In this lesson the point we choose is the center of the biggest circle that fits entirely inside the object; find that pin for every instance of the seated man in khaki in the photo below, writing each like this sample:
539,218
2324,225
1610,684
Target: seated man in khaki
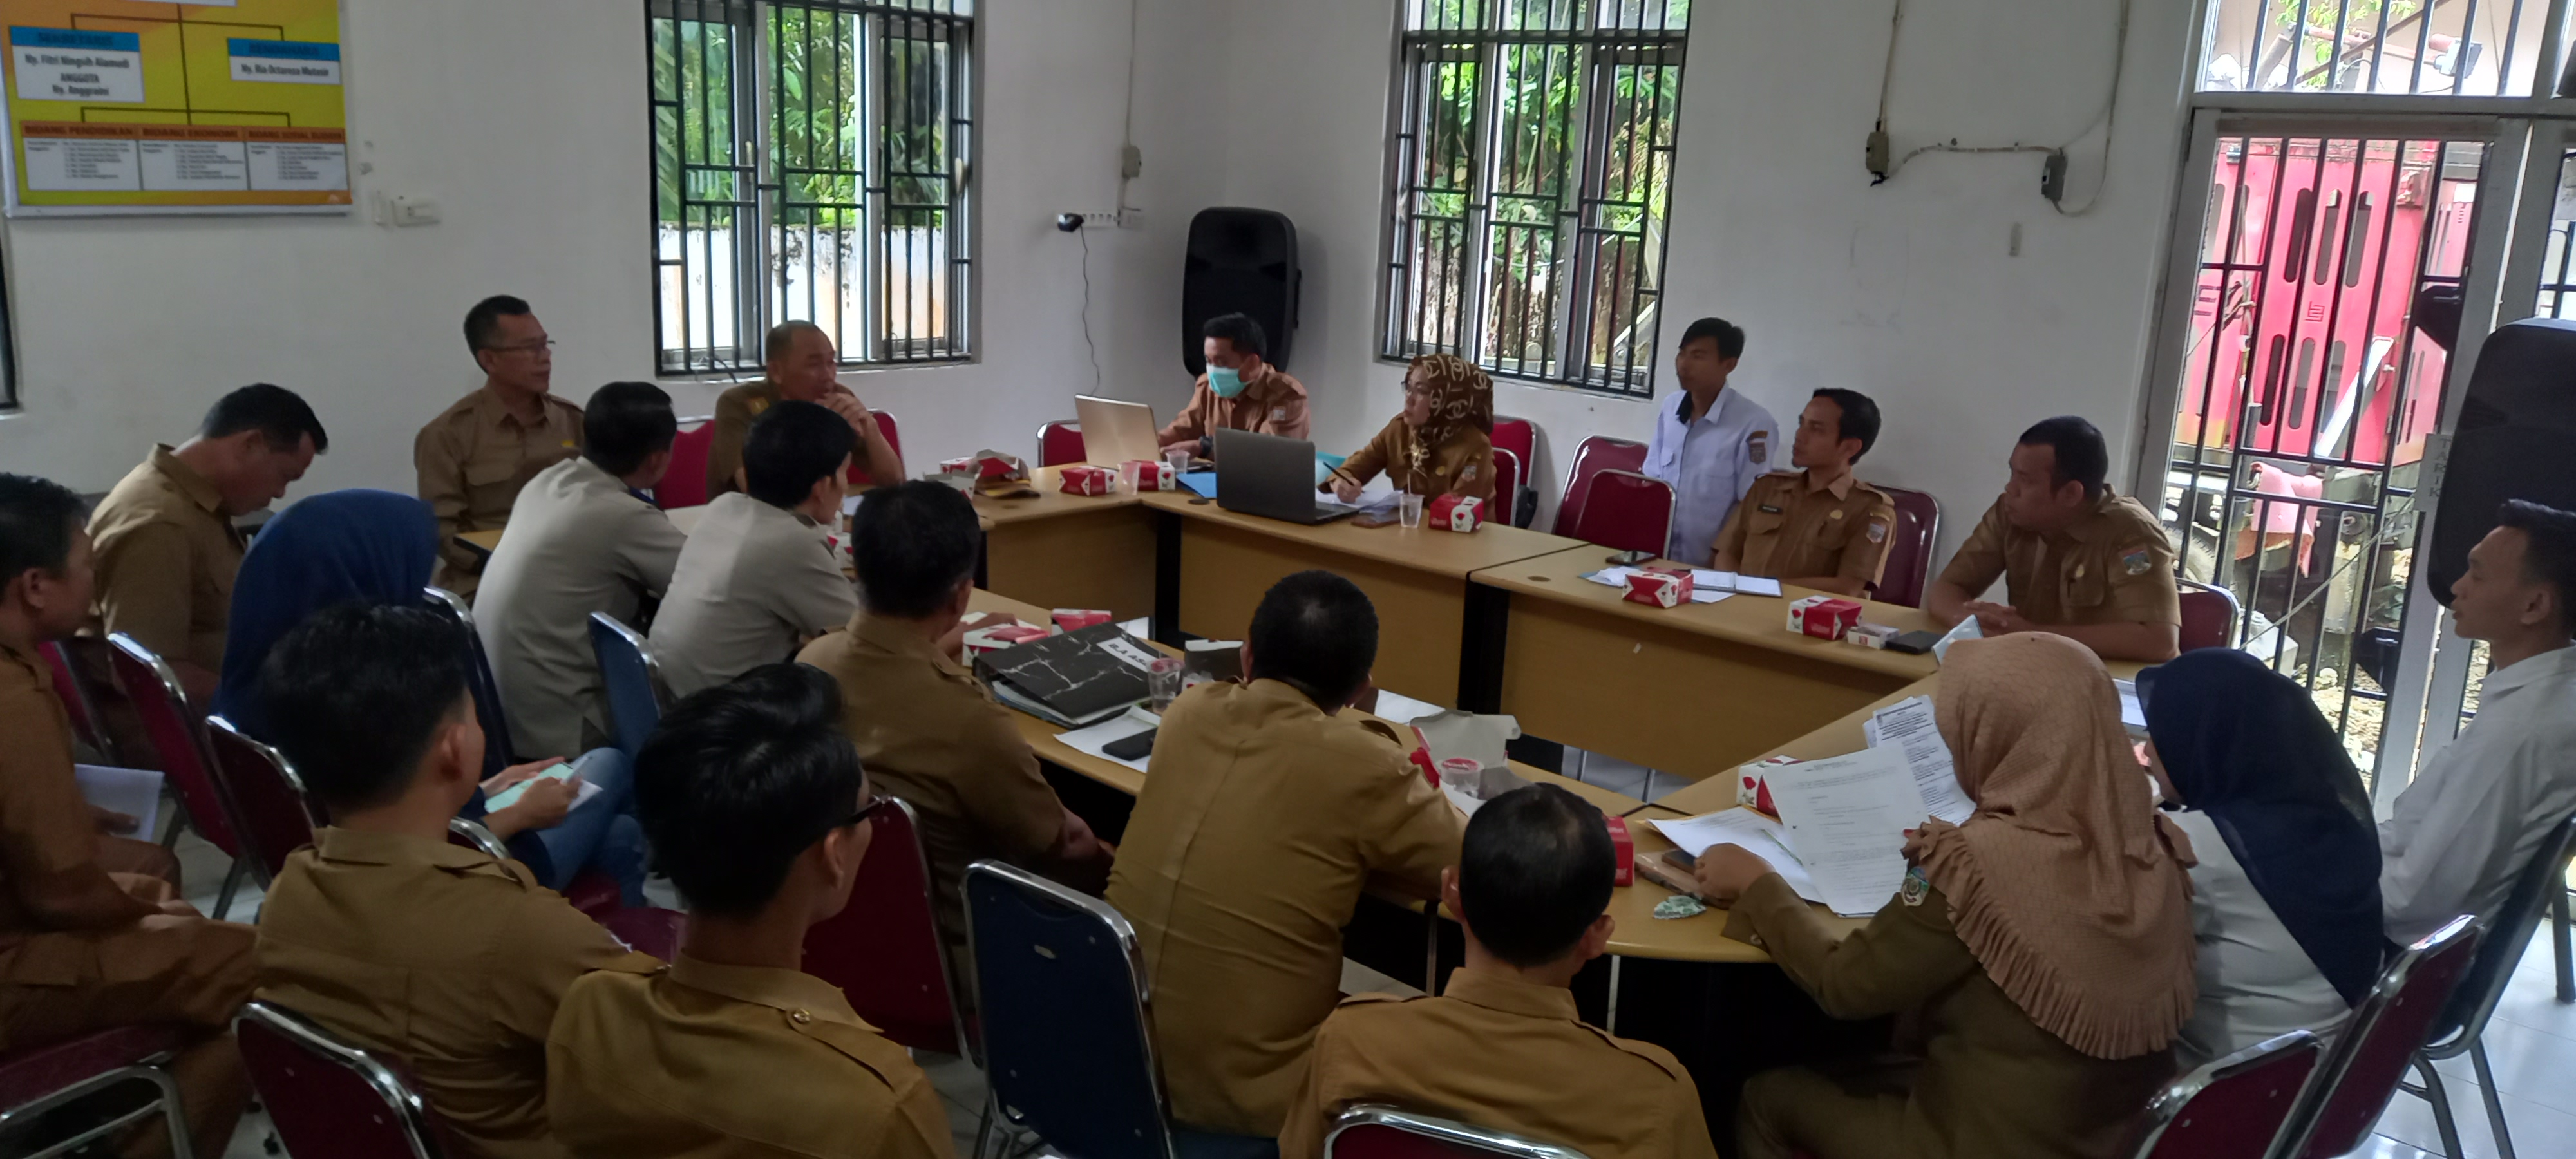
928,731
1265,813
1502,1047
476,455
1819,527
2077,559
383,933
1241,391
758,808
802,366
92,932
167,551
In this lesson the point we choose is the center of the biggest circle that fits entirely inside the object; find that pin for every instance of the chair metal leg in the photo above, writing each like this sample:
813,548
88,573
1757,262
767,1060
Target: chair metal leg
1582,757
2559,944
178,824
2494,1101
2441,1100
232,884
984,1127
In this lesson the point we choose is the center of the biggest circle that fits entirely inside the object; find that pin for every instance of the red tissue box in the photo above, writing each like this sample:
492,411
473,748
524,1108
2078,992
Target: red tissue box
1072,618
1626,848
986,466
1089,480
1823,617
1153,475
1457,513
1660,586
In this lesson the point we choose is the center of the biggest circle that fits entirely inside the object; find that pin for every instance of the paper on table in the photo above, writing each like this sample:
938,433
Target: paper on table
1847,818
1909,725
133,792
1743,585
1617,577
1967,629
1098,737
2133,715
1760,835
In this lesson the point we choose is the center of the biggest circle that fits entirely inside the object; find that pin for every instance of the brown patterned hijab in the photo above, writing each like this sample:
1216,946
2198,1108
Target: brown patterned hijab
1462,396
2066,884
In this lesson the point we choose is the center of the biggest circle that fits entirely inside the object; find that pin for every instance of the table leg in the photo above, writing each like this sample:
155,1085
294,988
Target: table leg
1167,579
1480,655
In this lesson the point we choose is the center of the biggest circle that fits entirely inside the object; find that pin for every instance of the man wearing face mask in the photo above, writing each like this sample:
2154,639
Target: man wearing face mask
1241,391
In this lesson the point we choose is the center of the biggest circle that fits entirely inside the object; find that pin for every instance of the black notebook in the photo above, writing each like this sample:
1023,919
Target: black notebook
1075,676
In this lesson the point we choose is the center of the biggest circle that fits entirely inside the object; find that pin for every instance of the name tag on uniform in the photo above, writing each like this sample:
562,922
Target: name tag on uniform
1279,414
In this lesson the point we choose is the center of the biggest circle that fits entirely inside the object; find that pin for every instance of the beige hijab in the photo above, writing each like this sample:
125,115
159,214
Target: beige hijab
2065,883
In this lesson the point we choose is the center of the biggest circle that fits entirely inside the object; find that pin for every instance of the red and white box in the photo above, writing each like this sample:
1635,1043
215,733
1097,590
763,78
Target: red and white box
983,640
1663,587
1823,617
1069,619
1152,475
1456,513
986,466
1089,480
1869,635
1753,787
1626,849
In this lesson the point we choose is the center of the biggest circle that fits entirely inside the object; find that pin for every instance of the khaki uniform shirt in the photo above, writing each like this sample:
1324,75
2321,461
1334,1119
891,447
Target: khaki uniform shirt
929,733
1271,404
1261,821
1463,465
1506,1055
473,459
1785,527
2115,565
167,554
1991,1081
735,409
439,955
752,582
702,1061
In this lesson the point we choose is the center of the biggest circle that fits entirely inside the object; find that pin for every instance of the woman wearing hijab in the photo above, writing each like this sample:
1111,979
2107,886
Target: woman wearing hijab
1442,444
2285,900
379,547
2043,948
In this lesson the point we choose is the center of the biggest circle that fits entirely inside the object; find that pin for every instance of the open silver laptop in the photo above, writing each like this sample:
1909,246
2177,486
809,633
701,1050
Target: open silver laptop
1272,477
1115,432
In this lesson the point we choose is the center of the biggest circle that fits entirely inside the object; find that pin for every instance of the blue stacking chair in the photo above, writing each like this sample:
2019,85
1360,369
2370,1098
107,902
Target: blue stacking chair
497,754
636,692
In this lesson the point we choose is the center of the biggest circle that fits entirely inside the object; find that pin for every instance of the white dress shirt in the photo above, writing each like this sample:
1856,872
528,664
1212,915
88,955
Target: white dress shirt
1711,461
2477,812
753,582
2255,979
577,542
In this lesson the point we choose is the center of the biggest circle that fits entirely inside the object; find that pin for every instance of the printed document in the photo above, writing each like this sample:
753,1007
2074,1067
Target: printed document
1847,818
1909,725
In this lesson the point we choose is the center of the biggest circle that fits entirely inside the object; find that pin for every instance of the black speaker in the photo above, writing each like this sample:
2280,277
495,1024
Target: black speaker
2516,428
1241,261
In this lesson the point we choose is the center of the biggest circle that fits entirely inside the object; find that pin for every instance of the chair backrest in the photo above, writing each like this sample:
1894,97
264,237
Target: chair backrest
75,697
1059,443
2353,1083
277,815
1060,988
2508,933
1909,547
2234,1107
858,464
1518,436
685,484
2208,615
1507,488
1379,1131
636,692
1591,457
472,835
884,950
497,754
329,1098
177,733
1627,511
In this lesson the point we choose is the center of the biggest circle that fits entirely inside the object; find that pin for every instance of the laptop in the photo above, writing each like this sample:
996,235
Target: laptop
1272,477
1115,432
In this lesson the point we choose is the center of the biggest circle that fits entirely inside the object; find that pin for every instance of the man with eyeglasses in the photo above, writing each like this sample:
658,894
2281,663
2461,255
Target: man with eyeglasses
476,455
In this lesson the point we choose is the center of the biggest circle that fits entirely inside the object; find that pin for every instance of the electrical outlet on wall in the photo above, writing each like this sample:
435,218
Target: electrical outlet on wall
1108,218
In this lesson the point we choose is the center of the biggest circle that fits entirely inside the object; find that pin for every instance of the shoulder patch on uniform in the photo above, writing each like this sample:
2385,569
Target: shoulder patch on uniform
2137,562
1877,531
1757,446
1279,414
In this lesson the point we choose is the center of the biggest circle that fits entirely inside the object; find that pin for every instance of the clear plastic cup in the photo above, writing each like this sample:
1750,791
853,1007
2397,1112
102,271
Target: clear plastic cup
1464,775
1163,682
1179,458
1409,510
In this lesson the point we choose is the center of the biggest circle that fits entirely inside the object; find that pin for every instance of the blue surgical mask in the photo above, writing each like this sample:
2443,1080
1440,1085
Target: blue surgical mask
1224,382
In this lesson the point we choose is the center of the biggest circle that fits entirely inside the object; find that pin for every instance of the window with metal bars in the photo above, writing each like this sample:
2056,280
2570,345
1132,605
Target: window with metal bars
1533,177
2478,48
810,163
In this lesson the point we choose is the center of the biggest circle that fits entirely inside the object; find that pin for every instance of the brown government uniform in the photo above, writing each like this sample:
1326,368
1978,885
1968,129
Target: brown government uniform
2114,565
1786,527
442,956
1261,821
1507,1055
1271,403
474,458
92,934
1463,464
931,734
707,1061
735,409
1988,1080
167,554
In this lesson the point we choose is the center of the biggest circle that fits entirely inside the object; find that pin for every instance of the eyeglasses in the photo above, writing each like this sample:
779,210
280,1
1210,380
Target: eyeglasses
865,811
540,346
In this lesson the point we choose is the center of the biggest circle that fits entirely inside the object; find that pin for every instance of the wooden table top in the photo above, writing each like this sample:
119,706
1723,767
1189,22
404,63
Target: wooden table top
1049,502
1442,552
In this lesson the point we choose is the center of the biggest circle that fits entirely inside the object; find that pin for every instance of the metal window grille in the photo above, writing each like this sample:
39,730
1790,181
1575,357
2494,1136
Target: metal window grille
810,163
2470,48
1533,175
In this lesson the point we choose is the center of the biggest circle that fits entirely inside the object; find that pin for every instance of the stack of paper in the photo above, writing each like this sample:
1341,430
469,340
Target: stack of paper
2133,715
1909,727
133,792
1847,818
1760,835
1707,587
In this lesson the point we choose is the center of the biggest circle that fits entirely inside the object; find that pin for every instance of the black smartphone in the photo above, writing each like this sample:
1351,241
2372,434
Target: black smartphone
1684,860
1132,748
1915,643
1630,558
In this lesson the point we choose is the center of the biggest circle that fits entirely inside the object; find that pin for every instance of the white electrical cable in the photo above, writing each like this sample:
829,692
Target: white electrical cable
2109,117
1085,235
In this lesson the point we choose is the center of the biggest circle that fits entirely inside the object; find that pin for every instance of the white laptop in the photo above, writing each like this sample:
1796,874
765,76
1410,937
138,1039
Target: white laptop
1115,432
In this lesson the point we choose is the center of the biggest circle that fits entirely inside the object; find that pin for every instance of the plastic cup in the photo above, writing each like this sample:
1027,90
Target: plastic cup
1464,775
1179,458
1127,476
1409,509
1163,682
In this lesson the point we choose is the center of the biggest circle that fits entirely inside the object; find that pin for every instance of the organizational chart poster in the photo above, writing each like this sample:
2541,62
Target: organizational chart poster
134,106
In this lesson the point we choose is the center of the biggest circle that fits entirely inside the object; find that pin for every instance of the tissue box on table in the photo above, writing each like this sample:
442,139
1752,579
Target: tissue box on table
1069,619
1088,480
1626,849
1457,513
988,466
1823,617
1152,475
1661,587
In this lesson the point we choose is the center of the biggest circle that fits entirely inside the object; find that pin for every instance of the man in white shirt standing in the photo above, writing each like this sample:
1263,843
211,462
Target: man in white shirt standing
1711,443
757,579
2472,819
582,538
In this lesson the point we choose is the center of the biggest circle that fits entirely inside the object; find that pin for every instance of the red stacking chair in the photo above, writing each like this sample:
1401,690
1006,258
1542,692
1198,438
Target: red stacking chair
1378,1131
276,814
2208,615
2232,1108
594,893
1519,437
2354,1082
178,737
1627,511
647,929
685,484
1507,487
37,1080
1059,443
1591,457
859,466
884,950
1909,548
76,699
329,1098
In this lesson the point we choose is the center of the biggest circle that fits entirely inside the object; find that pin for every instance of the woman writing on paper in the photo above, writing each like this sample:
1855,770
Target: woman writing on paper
1442,444
2285,900
2043,948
